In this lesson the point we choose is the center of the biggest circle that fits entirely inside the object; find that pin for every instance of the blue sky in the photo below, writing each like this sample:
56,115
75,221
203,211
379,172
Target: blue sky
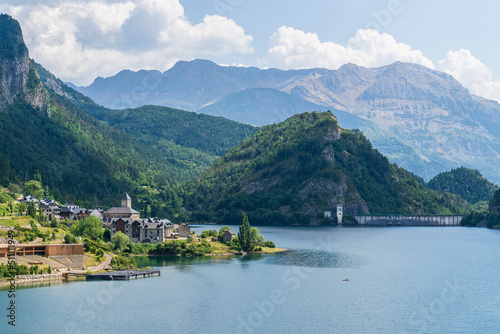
79,40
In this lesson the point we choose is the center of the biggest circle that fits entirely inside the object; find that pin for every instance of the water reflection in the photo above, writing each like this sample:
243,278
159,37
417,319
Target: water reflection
179,261
298,257
314,259
34,284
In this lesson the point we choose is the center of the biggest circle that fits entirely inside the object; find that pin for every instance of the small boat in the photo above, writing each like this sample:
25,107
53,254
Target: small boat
346,280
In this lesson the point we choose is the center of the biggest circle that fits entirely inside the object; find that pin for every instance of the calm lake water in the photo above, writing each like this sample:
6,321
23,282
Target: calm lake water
401,280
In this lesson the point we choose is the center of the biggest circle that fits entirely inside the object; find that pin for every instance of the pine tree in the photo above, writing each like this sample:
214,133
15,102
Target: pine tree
32,209
244,233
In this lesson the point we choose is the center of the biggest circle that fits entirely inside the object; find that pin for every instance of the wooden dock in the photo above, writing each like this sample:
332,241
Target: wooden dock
118,275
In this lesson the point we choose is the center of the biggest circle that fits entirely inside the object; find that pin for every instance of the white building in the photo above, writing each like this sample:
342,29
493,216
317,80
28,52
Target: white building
340,213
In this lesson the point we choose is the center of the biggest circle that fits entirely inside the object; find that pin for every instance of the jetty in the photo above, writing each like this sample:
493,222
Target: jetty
117,275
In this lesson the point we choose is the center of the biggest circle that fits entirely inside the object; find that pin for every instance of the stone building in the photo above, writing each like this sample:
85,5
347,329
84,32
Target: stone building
73,213
151,230
123,211
228,235
184,230
52,212
96,212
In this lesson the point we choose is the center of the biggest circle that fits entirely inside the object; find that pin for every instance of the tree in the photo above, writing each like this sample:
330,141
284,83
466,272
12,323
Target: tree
222,229
106,236
255,238
121,241
32,209
99,254
89,227
244,233
21,207
33,188
69,239
38,177
121,262
14,188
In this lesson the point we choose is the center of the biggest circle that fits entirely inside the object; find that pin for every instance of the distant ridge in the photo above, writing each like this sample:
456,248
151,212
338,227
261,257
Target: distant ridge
422,119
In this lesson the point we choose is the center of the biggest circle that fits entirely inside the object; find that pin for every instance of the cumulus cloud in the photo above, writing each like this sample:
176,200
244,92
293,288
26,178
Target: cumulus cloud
471,73
292,48
79,40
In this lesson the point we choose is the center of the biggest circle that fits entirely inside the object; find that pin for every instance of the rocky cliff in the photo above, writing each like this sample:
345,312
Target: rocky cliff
19,79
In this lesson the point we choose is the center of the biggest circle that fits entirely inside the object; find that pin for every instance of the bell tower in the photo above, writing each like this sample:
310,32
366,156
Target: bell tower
126,201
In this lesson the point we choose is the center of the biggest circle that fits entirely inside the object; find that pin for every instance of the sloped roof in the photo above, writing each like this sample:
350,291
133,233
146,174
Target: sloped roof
74,209
126,196
120,210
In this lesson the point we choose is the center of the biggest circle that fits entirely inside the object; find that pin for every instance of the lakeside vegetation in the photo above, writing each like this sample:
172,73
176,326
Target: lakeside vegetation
15,269
489,219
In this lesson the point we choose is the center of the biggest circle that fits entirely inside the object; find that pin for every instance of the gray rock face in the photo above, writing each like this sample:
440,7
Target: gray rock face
423,120
19,78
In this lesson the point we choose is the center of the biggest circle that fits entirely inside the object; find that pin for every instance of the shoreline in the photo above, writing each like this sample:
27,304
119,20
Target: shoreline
278,250
25,280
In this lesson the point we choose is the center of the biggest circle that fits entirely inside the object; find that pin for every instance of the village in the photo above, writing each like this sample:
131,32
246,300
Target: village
55,258
122,218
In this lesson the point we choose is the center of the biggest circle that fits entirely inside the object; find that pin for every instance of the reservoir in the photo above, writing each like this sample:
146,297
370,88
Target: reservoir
400,280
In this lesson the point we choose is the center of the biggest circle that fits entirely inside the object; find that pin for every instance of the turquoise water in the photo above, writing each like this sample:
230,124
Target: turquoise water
401,280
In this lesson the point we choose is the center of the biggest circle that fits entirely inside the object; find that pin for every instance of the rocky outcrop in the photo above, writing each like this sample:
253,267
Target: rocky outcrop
19,79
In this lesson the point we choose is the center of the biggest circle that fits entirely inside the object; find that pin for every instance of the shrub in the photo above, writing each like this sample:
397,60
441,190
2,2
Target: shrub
268,244
69,238
122,262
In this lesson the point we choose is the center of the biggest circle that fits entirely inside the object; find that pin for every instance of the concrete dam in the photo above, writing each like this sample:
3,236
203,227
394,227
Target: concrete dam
408,220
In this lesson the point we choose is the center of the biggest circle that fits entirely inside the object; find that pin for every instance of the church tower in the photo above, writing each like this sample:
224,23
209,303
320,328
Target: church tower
126,201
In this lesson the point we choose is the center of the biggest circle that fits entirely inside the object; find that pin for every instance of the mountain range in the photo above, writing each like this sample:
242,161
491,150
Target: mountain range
422,119
171,160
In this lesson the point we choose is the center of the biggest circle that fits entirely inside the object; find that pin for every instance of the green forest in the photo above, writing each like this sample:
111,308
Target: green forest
162,127
287,173
470,184
490,219
148,152
11,44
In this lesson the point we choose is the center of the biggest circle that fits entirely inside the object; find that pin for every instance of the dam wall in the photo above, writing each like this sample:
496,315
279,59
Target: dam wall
408,220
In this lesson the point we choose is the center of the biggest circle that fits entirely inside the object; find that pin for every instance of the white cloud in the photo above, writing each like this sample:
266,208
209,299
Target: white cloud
292,48
471,73
79,40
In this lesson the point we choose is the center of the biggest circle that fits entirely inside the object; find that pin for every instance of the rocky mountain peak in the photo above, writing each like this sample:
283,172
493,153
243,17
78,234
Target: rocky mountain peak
19,79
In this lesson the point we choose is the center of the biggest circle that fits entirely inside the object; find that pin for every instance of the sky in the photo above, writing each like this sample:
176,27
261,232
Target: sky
79,40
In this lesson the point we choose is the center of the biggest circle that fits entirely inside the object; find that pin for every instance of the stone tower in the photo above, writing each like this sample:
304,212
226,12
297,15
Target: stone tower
126,201
340,213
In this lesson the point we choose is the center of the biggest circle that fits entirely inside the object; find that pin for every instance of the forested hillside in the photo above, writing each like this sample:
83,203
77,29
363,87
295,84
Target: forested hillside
470,184
185,138
77,156
293,171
